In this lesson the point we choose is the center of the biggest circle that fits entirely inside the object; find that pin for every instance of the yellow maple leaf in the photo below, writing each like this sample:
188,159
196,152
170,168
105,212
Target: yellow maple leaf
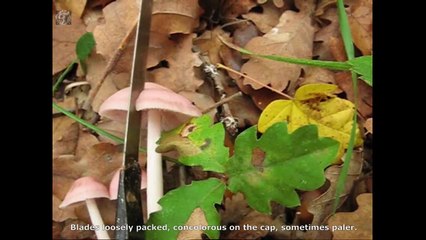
314,104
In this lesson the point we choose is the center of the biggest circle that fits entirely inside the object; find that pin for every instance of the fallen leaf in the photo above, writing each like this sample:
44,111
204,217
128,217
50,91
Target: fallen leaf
68,104
365,93
244,110
234,8
75,6
56,230
235,208
323,6
361,21
60,215
69,233
328,44
317,75
254,219
101,161
291,37
64,39
209,43
92,18
202,101
98,3
179,75
266,20
85,141
361,220
244,33
60,185
277,175
197,218
175,16
322,206
65,136
314,104
369,125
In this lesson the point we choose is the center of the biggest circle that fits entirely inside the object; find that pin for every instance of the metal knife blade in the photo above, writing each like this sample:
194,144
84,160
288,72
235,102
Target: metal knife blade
129,203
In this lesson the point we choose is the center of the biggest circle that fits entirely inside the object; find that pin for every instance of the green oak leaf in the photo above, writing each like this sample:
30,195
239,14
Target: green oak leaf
178,205
272,167
199,143
363,66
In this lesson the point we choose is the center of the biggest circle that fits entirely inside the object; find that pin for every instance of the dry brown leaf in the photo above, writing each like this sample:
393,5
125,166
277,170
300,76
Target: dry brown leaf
92,18
112,127
179,76
361,22
323,6
65,136
369,125
175,16
63,43
365,93
236,208
209,43
75,6
101,161
322,206
56,230
197,218
328,43
244,110
68,104
361,220
244,33
68,233
60,215
85,141
266,20
253,219
292,37
98,3
60,185
317,75
202,101
235,8
120,17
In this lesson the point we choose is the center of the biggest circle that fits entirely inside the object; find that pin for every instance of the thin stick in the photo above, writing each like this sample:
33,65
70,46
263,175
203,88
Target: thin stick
111,64
222,101
254,80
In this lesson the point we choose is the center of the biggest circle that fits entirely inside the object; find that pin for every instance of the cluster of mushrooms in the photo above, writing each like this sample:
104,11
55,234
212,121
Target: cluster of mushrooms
162,109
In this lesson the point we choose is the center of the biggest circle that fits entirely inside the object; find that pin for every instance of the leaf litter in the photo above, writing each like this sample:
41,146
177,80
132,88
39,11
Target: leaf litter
181,35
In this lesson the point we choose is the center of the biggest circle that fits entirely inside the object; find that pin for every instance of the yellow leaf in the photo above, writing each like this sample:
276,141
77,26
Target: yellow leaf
314,104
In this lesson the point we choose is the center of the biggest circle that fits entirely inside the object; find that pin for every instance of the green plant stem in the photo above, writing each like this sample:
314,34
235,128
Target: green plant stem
350,52
62,77
91,126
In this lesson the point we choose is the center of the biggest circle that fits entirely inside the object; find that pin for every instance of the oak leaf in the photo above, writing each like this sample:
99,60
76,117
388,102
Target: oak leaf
291,37
361,220
267,19
361,22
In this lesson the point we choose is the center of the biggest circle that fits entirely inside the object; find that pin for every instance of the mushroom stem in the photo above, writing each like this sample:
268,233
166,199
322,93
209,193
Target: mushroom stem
95,217
154,168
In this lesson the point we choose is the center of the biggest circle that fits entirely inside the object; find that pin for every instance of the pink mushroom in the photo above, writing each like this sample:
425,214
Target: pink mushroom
164,110
113,186
87,189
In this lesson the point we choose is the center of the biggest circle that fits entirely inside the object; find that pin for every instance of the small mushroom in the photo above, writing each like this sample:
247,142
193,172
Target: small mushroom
113,186
164,110
87,189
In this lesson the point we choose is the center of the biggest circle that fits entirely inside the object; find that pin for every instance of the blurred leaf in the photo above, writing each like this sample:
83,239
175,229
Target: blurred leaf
364,67
272,167
179,204
84,46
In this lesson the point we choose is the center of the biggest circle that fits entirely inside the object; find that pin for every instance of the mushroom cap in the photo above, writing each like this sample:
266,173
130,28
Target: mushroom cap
175,108
84,188
113,186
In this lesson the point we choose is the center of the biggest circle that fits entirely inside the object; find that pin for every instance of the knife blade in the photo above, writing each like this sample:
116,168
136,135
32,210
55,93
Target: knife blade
129,203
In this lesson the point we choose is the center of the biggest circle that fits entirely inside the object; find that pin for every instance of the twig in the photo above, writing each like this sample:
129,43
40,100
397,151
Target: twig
222,101
254,80
111,64
225,115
